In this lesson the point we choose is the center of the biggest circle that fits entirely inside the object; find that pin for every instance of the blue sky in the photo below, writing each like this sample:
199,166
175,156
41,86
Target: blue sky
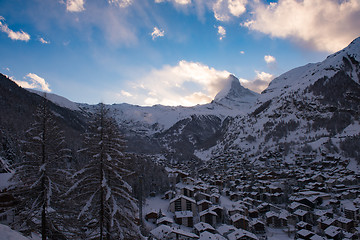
170,52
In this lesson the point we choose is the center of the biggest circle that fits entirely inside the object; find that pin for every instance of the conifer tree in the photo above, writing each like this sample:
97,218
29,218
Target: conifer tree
107,208
39,177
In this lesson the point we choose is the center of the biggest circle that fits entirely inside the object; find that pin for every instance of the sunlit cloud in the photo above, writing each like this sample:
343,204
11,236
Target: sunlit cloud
242,52
221,32
319,24
260,83
157,33
33,81
19,35
269,59
186,84
42,40
75,5
225,9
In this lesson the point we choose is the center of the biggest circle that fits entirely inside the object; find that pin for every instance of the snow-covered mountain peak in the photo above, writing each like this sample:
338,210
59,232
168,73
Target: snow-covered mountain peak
234,92
298,79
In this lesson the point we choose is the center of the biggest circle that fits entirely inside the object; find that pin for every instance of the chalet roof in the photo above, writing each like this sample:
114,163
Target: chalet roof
201,226
305,233
184,214
203,201
300,212
164,219
240,234
210,236
182,196
207,211
332,231
236,217
344,220
223,229
317,237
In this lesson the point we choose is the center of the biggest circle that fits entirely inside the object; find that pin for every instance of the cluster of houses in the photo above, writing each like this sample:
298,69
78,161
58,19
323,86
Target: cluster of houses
235,199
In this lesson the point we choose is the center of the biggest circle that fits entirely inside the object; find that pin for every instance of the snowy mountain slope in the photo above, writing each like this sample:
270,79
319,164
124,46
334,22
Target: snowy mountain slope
58,100
312,109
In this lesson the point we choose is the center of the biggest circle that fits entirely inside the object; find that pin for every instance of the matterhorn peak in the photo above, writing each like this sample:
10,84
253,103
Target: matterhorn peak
233,91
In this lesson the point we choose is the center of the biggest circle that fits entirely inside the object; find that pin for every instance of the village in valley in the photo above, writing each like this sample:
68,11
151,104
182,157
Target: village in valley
237,199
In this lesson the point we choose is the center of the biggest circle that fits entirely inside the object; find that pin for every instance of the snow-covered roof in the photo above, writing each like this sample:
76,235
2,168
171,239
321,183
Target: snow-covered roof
182,196
236,217
201,226
210,236
332,231
164,219
240,233
184,214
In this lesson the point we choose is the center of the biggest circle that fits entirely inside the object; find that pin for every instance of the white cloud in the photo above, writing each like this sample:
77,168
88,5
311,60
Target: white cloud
20,35
225,9
269,59
42,40
187,84
180,2
325,25
34,81
121,3
237,7
221,32
125,93
260,82
242,52
75,5
157,33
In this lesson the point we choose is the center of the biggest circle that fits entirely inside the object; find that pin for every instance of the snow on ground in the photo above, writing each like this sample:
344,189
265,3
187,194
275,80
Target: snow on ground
6,233
4,180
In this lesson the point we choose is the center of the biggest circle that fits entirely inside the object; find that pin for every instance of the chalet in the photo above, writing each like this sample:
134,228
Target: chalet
169,194
208,216
152,216
185,218
272,219
345,223
253,213
240,221
215,198
352,212
333,232
219,211
257,226
203,205
325,222
302,215
188,191
182,203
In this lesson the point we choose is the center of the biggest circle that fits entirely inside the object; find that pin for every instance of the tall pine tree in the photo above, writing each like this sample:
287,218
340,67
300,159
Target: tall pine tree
107,211
39,177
